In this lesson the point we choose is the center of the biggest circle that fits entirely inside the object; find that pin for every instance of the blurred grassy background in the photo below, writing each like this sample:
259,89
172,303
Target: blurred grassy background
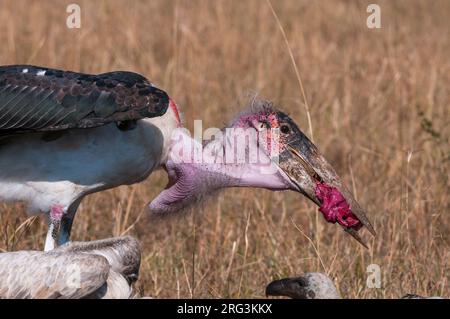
379,102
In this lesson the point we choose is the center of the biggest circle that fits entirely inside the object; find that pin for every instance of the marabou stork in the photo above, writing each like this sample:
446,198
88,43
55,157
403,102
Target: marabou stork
64,135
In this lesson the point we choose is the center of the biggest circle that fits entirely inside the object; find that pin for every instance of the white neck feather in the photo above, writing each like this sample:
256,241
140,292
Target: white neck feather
167,124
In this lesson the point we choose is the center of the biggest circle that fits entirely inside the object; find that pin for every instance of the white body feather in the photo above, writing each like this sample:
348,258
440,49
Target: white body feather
45,173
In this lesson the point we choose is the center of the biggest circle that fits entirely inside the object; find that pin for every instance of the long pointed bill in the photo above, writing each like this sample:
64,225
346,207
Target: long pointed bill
316,179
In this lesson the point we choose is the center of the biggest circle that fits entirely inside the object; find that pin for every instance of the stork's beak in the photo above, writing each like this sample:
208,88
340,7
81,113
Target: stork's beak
315,178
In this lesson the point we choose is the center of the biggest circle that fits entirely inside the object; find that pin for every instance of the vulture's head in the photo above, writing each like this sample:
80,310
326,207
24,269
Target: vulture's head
262,147
312,285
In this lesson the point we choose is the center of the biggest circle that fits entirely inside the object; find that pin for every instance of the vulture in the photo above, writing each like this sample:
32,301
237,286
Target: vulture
313,285
101,269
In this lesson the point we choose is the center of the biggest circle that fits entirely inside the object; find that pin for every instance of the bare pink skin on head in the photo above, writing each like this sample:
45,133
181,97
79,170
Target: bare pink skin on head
335,208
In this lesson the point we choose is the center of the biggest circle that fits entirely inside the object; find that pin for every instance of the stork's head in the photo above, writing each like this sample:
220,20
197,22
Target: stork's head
262,147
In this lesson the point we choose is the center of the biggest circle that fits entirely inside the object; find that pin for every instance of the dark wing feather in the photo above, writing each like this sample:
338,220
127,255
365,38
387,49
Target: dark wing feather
41,99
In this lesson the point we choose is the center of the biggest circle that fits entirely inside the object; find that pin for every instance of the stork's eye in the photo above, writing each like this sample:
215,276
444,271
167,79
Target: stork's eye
285,128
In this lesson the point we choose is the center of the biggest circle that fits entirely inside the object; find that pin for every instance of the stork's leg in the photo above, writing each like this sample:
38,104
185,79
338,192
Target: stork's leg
50,240
55,216
65,229
66,223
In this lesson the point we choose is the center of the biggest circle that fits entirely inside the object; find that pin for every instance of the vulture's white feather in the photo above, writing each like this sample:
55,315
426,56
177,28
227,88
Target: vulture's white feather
98,269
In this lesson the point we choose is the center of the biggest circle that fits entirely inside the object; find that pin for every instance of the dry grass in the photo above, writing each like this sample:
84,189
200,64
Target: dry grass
379,103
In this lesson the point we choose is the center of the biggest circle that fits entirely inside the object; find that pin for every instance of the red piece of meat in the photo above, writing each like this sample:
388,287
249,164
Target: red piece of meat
335,208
